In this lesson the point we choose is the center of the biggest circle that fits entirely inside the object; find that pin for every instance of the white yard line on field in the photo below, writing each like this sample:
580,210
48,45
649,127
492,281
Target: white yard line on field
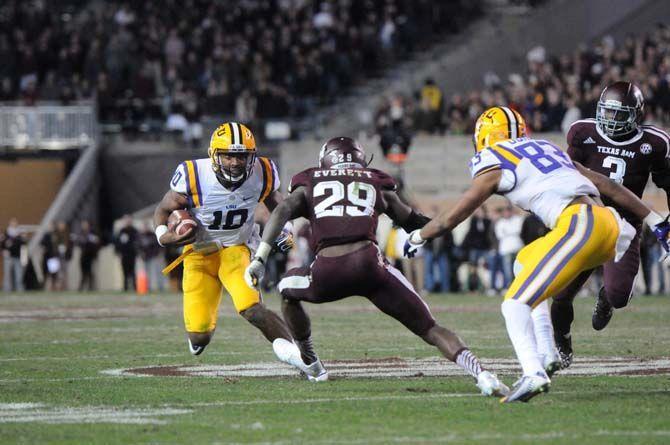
479,437
422,396
41,413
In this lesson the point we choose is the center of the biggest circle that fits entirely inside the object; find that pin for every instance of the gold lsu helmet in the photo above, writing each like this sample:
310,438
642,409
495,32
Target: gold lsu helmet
498,124
232,138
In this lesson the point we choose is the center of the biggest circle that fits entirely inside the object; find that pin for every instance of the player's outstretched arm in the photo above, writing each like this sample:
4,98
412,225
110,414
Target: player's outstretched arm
291,207
483,186
616,192
171,201
402,214
627,199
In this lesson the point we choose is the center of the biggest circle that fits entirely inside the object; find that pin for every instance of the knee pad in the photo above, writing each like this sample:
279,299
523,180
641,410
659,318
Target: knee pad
516,268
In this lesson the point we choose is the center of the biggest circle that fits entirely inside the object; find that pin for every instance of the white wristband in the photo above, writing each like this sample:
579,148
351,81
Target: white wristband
653,219
160,231
263,251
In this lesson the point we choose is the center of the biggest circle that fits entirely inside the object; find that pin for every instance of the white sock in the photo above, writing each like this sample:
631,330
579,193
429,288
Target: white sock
520,329
288,352
544,331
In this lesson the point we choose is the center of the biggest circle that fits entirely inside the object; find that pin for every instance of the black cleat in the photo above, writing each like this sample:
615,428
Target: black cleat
602,312
564,345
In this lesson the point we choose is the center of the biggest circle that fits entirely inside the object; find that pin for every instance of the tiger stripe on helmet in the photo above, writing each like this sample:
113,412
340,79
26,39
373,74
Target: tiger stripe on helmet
512,123
235,131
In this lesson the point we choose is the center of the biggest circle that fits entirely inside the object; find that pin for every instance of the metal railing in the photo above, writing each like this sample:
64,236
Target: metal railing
47,127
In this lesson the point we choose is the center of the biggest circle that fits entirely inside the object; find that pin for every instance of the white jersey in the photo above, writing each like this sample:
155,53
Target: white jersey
537,176
222,214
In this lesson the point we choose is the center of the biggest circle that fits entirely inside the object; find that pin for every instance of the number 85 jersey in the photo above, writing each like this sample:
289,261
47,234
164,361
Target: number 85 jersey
223,214
536,176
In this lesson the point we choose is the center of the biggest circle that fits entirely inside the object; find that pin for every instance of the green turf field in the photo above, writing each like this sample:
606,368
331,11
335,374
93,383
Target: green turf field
59,354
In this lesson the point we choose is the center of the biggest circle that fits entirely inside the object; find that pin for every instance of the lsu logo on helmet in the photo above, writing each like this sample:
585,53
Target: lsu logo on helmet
232,139
498,124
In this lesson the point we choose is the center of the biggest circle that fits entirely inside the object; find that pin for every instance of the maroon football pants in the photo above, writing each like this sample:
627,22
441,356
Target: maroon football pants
364,272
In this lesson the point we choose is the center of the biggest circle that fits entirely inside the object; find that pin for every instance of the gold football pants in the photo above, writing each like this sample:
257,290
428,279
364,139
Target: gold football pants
204,277
584,237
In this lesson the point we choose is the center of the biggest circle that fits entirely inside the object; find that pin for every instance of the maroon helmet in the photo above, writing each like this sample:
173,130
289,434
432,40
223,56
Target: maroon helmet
620,109
342,152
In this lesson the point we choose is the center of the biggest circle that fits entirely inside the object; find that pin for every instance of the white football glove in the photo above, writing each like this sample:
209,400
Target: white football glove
285,241
254,272
412,244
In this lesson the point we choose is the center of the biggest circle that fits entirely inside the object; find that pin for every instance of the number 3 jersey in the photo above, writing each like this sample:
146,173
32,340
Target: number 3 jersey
536,176
223,214
343,204
628,161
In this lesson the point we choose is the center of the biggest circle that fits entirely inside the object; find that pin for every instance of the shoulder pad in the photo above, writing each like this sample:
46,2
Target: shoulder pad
386,181
179,180
484,161
579,130
301,179
270,175
662,136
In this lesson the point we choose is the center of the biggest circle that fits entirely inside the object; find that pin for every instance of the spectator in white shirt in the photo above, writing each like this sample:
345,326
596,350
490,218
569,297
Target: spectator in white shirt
508,232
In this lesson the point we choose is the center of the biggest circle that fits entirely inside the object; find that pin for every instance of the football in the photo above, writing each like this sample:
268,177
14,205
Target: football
181,222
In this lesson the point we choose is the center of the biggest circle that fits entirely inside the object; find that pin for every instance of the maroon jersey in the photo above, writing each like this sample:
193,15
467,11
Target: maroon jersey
343,204
628,162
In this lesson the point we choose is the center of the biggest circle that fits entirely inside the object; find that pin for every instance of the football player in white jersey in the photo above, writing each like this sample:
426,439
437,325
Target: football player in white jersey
222,193
538,177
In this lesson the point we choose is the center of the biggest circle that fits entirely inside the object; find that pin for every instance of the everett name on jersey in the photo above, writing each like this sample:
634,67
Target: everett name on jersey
344,204
222,214
628,162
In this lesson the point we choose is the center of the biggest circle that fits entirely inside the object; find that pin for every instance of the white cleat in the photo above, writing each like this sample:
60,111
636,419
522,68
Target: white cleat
490,385
316,372
528,387
551,363
288,352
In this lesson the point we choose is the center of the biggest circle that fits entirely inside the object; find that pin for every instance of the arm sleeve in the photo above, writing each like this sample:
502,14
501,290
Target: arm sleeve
415,221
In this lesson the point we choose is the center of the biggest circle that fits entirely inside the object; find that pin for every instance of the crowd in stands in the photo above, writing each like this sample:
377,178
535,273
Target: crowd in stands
151,62
479,260
551,93
134,244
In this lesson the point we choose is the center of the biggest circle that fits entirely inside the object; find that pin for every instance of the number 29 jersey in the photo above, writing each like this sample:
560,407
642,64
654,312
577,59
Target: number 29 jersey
536,176
222,214
343,204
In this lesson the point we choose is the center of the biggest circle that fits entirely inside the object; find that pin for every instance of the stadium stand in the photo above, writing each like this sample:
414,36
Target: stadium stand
150,64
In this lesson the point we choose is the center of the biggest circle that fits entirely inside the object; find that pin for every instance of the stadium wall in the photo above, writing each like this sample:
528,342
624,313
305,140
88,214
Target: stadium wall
436,170
29,187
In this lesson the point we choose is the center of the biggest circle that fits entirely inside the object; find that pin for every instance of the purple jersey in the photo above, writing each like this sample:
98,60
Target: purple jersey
628,162
343,204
